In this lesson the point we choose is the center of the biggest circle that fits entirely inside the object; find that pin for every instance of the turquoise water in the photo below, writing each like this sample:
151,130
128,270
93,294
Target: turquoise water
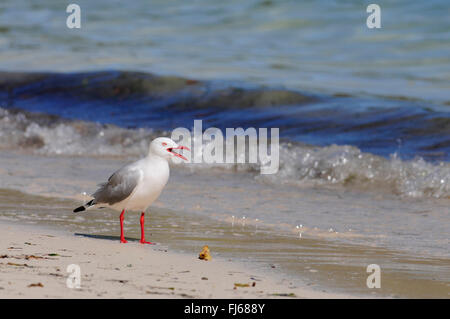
322,46
385,91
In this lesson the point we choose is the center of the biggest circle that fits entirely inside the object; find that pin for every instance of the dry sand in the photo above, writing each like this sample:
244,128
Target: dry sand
33,264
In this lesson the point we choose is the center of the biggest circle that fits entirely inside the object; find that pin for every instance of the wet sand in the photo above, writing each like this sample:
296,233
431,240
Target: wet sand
34,261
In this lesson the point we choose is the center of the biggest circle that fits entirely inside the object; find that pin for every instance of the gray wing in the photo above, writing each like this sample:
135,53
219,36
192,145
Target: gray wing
119,186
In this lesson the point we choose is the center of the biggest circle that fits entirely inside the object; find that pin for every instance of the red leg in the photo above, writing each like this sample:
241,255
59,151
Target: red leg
122,238
142,231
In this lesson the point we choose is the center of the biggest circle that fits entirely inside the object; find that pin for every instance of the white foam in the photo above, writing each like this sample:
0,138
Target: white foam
299,164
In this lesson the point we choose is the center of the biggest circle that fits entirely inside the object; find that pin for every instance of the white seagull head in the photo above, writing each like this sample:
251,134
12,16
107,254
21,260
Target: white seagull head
164,147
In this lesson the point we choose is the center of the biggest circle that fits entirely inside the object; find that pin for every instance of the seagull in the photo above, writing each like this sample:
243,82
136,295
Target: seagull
137,185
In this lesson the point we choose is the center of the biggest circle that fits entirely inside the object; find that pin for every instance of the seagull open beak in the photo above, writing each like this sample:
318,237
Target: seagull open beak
170,150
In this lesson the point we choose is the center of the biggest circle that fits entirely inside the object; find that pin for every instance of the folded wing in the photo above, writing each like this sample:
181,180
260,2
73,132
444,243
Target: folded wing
119,186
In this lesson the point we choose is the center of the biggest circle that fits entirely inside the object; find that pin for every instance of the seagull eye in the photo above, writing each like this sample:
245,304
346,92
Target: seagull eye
164,144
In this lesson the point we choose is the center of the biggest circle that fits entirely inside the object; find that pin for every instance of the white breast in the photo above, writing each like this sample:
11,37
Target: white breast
154,176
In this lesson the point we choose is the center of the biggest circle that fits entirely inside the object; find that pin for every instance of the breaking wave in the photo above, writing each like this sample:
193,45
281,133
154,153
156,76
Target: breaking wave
300,164
349,167
49,134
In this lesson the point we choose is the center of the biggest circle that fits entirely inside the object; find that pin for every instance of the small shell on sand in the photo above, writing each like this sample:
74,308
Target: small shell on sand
205,254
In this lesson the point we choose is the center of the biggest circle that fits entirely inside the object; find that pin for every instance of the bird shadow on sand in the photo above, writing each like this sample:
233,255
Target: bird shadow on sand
105,237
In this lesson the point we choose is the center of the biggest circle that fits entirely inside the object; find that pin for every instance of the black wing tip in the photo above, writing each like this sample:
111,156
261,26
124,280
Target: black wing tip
79,209
82,208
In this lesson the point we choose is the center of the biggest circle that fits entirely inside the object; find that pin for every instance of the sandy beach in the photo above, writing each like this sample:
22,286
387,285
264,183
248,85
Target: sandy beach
33,264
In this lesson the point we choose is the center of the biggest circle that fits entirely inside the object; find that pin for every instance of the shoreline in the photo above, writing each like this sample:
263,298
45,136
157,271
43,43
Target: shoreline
195,209
34,260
